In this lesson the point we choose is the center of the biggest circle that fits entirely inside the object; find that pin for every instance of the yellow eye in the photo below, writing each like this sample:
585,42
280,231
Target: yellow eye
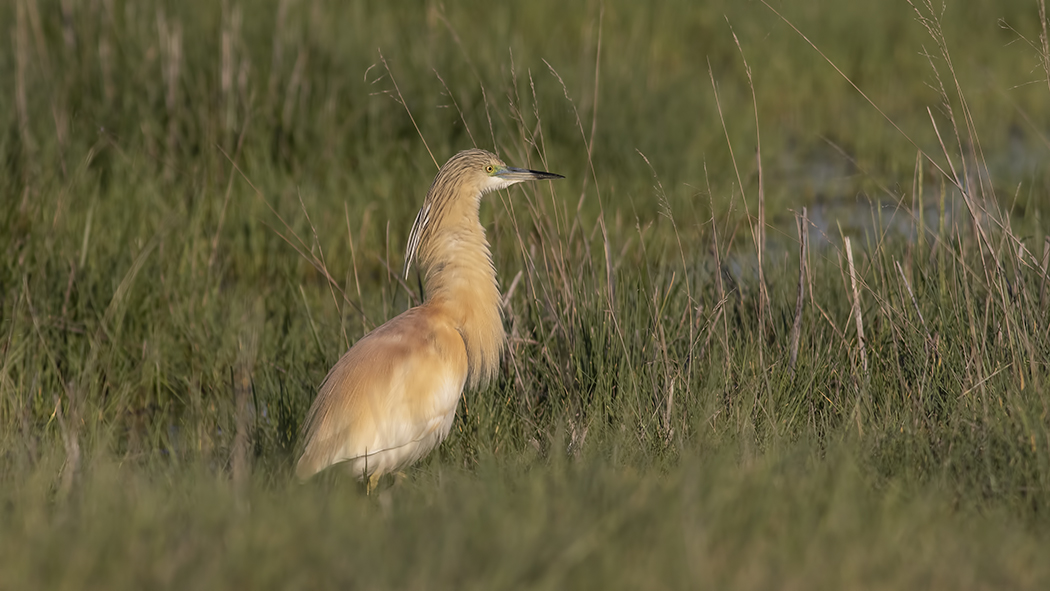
490,169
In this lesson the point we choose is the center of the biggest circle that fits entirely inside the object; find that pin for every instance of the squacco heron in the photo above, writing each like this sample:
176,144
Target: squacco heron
392,397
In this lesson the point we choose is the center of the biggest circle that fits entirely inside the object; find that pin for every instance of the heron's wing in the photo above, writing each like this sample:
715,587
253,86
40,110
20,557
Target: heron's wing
392,388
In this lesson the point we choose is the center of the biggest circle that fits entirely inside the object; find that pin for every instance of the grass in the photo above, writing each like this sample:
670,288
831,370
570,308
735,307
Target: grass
208,204
773,520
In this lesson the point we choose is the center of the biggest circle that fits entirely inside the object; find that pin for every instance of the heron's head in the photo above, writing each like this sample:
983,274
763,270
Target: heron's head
456,193
485,172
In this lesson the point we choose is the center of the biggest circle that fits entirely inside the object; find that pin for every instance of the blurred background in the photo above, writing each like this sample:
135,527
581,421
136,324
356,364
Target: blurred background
204,203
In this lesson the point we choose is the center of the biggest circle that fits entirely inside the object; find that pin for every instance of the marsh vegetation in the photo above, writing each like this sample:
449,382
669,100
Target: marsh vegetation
206,203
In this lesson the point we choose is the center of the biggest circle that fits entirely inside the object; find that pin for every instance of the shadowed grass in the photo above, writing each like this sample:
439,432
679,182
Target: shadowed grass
730,521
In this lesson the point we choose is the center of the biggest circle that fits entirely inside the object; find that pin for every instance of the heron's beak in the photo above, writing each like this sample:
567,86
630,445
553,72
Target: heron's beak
516,175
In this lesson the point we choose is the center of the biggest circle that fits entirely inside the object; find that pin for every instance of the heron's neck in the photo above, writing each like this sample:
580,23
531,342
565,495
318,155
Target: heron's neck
461,279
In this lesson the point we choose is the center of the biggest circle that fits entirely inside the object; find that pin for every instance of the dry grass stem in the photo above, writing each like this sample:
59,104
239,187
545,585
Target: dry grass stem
857,316
802,225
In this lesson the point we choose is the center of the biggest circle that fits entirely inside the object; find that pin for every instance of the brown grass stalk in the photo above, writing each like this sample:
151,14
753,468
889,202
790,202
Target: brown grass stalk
857,308
244,412
802,225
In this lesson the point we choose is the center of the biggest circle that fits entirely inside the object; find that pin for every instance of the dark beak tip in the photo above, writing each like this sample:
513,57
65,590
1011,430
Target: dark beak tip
543,175
538,175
